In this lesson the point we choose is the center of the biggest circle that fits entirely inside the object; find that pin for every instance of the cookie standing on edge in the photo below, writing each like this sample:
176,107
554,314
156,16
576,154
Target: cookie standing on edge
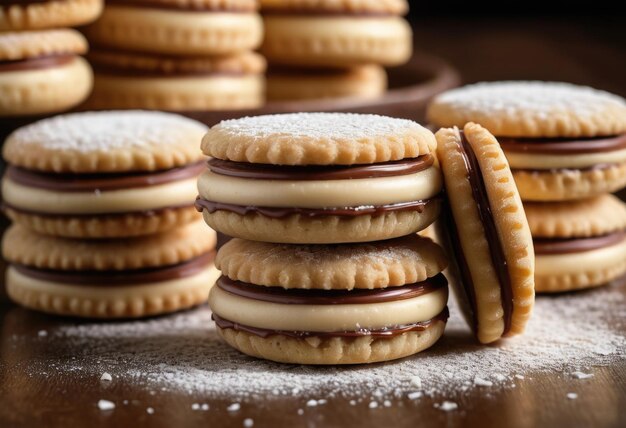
578,244
103,175
488,231
21,15
319,178
563,142
331,33
42,72
135,277
331,304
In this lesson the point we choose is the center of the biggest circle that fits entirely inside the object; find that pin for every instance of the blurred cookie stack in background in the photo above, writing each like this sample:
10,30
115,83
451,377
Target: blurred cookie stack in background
330,48
41,71
177,55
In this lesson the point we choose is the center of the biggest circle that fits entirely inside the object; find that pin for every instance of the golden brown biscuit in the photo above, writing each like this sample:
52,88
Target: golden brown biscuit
20,15
488,231
393,7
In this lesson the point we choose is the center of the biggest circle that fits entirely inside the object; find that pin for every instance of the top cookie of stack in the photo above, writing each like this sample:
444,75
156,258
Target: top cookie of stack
177,55
40,71
329,48
319,178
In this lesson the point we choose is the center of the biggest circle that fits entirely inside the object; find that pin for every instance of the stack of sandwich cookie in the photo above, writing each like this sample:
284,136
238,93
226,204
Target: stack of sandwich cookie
324,193
135,277
319,178
487,232
328,48
104,219
177,55
103,175
566,145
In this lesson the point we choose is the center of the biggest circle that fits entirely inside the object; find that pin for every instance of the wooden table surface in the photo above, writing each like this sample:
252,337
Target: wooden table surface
589,54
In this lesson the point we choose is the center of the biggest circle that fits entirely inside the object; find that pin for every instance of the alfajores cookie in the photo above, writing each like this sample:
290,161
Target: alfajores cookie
336,33
110,278
103,175
578,244
372,302
160,82
563,142
366,81
488,233
42,72
179,27
21,15
319,178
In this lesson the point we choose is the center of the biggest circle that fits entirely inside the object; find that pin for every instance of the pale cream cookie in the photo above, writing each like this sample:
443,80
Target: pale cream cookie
390,7
20,15
488,232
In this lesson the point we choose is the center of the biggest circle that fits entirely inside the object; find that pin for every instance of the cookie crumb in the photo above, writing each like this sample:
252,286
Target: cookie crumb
311,403
387,403
106,377
373,405
106,405
150,411
572,395
234,407
414,395
204,407
482,382
448,406
248,423
416,381
300,412
195,406
581,375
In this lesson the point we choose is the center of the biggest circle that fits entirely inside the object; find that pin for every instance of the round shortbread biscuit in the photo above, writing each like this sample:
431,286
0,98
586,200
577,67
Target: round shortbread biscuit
367,81
382,264
35,15
317,139
105,226
336,41
15,46
98,142
532,109
132,301
176,31
297,228
24,247
570,184
335,350
387,7
474,166
197,5
576,219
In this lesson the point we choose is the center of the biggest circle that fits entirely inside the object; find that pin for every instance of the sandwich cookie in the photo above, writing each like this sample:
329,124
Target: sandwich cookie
488,233
21,15
42,72
103,175
331,304
331,33
176,83
578,244
562,141
366,81
179,27
319,178
110,278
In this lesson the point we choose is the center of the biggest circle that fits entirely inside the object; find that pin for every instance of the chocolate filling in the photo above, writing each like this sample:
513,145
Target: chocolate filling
192,7
135,71
332,172
548,246
147,213
387,332
120,278
330,297
563,146
101,182
48,61
278,212
498,259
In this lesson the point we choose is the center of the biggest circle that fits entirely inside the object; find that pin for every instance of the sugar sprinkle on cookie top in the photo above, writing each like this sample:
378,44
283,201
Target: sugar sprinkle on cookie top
532,109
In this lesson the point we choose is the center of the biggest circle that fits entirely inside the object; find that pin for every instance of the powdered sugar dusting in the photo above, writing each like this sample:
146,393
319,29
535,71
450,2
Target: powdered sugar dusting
102,131
319,125
182,352
541,98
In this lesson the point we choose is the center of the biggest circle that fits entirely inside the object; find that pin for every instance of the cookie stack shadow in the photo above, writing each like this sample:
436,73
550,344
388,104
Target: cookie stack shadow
325,266
177,55
332,49
104,222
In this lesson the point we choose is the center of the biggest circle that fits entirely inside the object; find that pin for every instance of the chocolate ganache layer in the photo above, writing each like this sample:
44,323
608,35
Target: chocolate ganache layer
330,172
189,6
545,246
101,182
563,146
120,278
496,251
37,63
330,297
388,332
